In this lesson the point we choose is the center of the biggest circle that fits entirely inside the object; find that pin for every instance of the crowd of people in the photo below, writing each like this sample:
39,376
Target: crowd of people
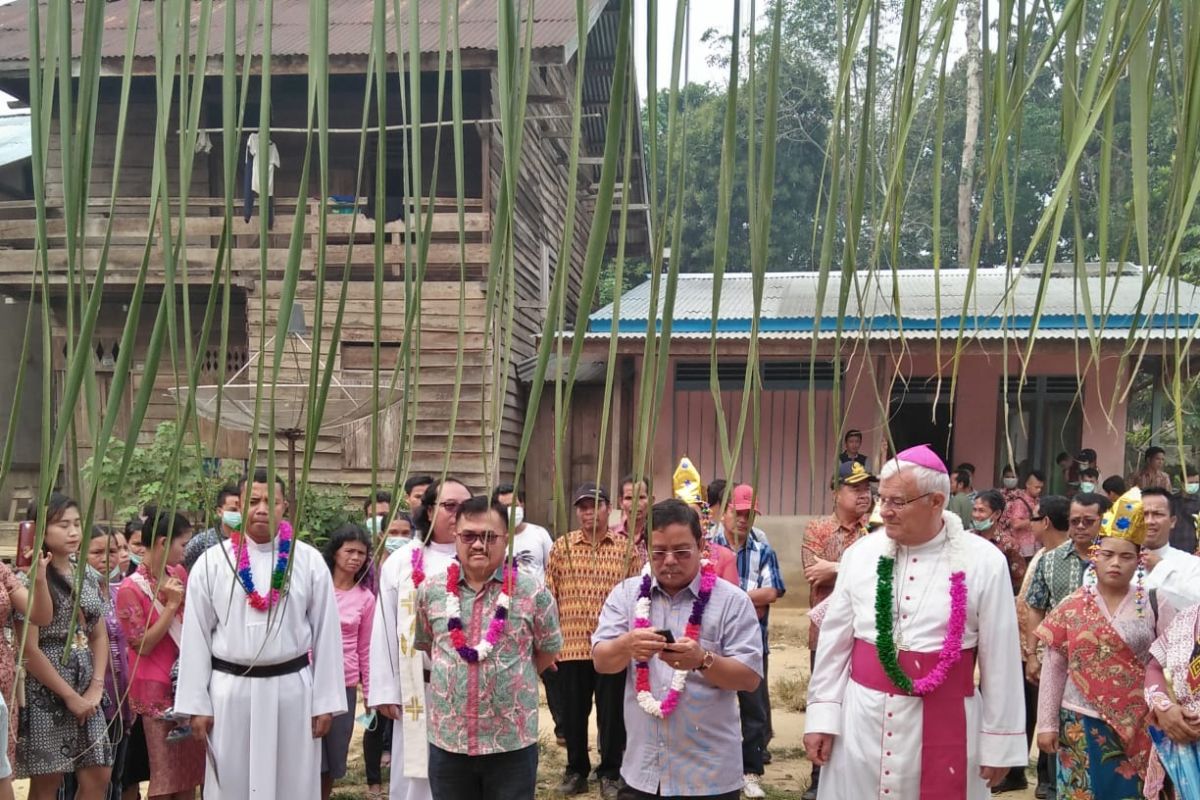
235,659
1080,596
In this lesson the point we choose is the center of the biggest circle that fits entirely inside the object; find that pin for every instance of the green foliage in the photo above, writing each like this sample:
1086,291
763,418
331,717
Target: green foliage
189,483
325,508
635,272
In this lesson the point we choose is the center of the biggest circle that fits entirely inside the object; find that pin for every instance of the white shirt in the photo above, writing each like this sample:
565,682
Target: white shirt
531,548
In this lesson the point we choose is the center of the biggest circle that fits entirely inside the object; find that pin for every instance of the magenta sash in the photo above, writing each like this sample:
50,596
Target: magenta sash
943,715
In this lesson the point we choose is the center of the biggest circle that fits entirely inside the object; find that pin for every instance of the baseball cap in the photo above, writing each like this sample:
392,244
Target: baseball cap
589,490
852,473
742,498
1087,455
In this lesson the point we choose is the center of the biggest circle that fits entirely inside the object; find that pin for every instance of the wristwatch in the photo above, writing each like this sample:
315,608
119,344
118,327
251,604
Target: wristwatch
709,658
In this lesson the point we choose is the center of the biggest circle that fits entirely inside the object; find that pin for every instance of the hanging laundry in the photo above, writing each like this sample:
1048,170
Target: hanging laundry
203,142
251,177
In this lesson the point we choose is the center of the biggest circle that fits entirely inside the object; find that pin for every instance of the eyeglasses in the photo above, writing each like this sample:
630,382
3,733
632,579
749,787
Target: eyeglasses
899,502
471,538
450,506
1083,522
680,555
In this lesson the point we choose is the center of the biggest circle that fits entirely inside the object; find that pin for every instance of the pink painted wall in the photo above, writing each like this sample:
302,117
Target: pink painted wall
789,483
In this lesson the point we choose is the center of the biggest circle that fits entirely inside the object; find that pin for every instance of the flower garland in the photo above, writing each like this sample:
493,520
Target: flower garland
885,644
278,575
495,628
418,565
641,619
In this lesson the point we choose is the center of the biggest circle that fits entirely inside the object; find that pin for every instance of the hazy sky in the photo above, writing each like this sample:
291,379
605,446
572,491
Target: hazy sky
705,14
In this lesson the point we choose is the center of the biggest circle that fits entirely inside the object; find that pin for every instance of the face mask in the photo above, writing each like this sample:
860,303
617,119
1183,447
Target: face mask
394,543
518,516
1087,486
375,524
231,519
135,559
1192,488
1010,483
983,524
115,574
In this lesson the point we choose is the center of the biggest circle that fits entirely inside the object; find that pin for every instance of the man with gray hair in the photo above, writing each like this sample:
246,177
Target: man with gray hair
893,709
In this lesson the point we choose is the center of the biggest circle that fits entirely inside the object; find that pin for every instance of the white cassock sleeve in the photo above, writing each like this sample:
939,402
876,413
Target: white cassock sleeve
328,660
1176,579
1002,721
834,645
195,652
385,644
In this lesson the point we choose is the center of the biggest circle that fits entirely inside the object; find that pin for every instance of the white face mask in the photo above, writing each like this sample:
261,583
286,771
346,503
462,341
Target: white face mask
1010,483
1087,486
518,516
375,524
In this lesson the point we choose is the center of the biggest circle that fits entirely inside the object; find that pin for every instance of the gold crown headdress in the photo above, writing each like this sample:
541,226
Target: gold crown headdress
1125,520
685,483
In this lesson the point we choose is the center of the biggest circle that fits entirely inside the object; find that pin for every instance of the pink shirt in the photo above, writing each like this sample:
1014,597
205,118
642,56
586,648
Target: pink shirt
356,610
150,671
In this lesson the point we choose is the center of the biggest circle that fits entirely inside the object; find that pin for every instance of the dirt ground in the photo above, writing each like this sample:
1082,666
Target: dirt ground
786,776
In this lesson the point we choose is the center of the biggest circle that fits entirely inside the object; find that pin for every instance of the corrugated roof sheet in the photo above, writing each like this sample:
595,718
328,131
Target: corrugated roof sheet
997,304
16,142
349,27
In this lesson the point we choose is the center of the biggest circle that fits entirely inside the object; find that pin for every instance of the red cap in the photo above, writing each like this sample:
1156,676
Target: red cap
742,498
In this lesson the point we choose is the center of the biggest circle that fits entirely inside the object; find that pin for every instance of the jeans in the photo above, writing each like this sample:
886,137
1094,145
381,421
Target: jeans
498,776
578,681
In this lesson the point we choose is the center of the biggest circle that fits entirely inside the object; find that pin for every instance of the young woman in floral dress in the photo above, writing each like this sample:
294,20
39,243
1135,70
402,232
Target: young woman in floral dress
62,728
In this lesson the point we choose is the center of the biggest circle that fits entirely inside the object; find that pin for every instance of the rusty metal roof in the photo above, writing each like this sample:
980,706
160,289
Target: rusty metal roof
554,30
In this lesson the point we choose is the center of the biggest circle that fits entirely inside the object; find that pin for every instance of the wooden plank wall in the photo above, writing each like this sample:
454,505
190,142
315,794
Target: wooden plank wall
343,456
539,221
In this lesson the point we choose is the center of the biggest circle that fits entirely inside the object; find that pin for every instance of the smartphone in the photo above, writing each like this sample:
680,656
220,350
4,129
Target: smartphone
666,634
26,536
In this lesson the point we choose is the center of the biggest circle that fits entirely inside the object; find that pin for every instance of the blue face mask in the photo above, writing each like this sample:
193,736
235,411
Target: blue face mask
1192,488
983,524
394,543
1087,487
135,559
231,519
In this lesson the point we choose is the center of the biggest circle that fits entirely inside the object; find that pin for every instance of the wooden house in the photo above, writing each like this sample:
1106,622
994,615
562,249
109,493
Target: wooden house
485,444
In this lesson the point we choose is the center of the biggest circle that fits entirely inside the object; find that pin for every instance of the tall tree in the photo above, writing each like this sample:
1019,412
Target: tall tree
966,175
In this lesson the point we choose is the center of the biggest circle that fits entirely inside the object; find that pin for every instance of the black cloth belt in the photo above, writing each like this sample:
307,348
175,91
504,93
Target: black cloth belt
260,670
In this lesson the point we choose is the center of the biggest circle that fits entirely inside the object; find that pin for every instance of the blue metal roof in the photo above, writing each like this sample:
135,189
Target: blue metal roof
999,303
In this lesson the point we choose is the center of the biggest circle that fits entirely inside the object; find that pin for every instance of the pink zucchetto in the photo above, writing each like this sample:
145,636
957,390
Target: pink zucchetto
922,456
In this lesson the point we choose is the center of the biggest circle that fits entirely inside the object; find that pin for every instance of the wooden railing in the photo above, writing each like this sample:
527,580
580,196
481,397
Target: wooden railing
350,236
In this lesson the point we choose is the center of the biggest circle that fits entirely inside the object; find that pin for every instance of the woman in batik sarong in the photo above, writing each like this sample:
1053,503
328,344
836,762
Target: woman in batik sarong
1173,688
1091,705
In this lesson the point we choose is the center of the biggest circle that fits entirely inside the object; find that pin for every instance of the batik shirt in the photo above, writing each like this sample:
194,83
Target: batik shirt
1058,573
490,706
826,538
580,576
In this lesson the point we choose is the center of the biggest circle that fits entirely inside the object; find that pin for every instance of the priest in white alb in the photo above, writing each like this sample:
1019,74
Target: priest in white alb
400,672
261,659
893,706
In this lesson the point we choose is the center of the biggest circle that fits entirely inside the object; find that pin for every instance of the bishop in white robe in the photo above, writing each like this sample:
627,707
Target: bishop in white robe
395,662
263,741
870,736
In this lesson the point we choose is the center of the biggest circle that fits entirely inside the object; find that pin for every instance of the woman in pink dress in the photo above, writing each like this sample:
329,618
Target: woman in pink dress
150,607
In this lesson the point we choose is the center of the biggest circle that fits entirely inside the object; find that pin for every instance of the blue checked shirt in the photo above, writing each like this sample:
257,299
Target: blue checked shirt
758,568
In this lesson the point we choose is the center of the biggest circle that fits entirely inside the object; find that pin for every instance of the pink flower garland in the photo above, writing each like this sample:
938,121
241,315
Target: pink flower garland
495,629
641,619
952,644
418,565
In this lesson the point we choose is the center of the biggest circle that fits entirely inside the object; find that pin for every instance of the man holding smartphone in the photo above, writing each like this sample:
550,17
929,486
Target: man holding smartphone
695,643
